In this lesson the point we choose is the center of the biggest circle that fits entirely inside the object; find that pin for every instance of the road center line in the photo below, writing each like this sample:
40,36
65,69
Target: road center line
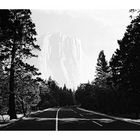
56,125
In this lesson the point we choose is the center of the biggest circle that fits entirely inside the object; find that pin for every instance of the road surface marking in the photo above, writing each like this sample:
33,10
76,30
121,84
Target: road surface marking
72,119
97,123
81,115
74,111
56,126
77,113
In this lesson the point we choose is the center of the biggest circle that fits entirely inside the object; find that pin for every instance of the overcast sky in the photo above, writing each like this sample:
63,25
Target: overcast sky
96,30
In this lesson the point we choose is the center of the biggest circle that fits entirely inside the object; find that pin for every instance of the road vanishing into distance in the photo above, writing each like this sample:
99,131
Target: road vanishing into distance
70,118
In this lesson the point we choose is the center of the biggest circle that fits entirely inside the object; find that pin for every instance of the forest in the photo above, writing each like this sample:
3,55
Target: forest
115,90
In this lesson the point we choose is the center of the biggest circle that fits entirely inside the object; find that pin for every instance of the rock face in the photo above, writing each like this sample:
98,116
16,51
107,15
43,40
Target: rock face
60,58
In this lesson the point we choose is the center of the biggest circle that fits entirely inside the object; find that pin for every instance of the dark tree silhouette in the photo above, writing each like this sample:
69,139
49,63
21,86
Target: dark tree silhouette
52,95
102,70
85,96
125,65
17,33
125,62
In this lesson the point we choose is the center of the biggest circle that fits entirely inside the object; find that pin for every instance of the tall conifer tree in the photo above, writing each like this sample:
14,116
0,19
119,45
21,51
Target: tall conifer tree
101,69
17,41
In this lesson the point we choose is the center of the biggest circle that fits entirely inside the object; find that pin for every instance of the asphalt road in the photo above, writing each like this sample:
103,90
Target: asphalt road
70,118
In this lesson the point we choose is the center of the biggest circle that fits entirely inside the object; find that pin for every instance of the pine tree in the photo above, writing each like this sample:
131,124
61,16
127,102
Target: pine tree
101,70
17,33
125,66
125,62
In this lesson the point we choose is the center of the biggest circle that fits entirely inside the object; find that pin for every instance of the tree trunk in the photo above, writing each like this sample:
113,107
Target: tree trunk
23,110
12,106
12,111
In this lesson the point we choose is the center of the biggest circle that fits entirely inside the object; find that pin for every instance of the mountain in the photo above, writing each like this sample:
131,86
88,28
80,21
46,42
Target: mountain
60,58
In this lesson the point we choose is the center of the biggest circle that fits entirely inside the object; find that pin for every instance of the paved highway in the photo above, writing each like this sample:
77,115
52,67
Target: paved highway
70,118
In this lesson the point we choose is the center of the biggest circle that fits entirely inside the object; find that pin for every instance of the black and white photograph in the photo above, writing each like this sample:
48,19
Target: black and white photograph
69,69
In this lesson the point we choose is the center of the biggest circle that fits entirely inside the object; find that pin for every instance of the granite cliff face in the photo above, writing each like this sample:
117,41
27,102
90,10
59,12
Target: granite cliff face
62,58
